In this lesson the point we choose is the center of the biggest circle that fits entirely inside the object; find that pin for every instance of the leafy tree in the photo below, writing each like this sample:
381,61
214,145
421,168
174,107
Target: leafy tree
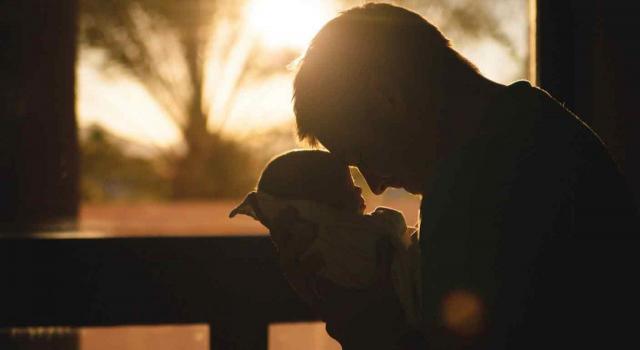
167,46
473,20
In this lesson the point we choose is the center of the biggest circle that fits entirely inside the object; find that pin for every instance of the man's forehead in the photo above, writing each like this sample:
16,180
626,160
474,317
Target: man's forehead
340,150
342,140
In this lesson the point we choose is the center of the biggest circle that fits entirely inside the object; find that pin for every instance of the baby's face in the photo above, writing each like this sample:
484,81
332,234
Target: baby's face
350,196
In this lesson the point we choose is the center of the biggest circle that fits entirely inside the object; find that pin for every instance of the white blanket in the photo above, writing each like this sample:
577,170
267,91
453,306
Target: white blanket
348,243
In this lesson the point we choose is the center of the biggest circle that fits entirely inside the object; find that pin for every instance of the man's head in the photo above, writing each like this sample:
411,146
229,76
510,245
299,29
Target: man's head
372,87
312,175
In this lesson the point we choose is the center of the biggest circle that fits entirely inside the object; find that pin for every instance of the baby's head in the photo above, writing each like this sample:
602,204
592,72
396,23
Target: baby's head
312,175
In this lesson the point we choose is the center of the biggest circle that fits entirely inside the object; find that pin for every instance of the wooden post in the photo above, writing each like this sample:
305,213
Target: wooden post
588,54
38,141
240,335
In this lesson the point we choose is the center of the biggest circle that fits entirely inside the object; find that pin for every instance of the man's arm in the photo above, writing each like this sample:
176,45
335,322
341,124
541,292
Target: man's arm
490,236
371,318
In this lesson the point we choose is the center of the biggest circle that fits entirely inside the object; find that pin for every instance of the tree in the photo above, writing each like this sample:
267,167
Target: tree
166,45
474,20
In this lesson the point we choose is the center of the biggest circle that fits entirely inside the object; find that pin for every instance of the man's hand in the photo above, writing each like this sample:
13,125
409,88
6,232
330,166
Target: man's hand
369,318
293,236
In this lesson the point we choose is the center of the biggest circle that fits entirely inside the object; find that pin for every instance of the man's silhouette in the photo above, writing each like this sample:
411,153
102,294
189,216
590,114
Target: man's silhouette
519,195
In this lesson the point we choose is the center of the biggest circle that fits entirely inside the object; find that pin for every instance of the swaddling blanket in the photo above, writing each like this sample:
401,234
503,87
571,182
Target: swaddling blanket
347,244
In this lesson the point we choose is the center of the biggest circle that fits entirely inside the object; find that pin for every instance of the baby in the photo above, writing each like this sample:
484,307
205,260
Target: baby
320,189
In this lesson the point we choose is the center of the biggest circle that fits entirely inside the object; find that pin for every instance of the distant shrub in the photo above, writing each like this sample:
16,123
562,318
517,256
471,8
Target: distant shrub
110,173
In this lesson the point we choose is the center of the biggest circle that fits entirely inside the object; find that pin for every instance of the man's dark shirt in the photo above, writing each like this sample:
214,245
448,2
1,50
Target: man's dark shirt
523,225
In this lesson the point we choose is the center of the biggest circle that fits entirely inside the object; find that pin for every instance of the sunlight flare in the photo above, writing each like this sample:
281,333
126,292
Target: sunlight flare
288,23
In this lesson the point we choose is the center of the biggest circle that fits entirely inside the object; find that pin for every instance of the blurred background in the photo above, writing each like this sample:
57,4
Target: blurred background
180,104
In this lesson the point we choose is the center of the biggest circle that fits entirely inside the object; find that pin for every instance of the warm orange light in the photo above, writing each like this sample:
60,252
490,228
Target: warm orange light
463,313
288,23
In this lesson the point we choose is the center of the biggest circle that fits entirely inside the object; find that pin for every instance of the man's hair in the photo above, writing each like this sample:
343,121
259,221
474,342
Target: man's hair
396,44
305,174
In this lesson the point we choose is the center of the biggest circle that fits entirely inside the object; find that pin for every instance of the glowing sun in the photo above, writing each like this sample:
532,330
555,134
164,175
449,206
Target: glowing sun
288,23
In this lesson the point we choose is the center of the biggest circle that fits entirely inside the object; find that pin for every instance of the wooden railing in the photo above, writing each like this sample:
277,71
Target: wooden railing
231,283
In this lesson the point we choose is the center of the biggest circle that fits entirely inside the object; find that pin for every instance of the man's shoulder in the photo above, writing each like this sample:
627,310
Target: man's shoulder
533,142
534,127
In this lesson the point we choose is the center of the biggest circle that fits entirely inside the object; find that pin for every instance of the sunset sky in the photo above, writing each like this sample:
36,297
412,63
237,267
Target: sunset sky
124,107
